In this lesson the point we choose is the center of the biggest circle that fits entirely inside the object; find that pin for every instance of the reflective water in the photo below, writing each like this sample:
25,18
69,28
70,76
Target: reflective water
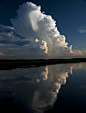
52,88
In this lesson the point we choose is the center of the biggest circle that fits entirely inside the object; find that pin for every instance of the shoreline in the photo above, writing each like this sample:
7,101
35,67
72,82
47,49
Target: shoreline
11,64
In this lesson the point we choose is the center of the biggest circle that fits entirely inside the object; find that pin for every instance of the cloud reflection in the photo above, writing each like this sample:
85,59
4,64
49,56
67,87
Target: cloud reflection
35,88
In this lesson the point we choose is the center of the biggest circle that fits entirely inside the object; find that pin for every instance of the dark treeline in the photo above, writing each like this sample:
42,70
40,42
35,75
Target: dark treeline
15,63
10,60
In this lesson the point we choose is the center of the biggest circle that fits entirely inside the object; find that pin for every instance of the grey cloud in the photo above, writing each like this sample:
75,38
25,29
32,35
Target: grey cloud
8,36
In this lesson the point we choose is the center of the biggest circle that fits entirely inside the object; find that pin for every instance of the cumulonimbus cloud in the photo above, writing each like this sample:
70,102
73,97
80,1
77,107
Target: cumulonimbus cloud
39,46
35,35
32,24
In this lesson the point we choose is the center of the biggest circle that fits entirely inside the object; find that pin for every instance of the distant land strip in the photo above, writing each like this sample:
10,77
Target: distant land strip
10,64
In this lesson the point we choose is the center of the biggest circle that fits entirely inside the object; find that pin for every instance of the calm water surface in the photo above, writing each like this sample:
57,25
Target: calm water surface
47,89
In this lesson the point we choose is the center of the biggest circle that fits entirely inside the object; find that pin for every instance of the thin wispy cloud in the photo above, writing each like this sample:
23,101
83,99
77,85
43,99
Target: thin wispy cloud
82,29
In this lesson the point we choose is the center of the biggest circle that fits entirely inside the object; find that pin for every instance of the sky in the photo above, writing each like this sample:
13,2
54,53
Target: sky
42,29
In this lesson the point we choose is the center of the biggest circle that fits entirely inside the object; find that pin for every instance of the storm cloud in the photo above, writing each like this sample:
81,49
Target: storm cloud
33,24
34,34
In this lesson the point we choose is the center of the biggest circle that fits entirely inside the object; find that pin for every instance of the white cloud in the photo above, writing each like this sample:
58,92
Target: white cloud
78,53
82,29
32,24
39,47
3,27
35,35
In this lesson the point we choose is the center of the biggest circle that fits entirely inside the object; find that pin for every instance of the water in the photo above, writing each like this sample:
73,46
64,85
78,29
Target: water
47,89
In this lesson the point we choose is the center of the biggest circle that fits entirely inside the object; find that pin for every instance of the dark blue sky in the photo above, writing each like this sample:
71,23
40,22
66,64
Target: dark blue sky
70,15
